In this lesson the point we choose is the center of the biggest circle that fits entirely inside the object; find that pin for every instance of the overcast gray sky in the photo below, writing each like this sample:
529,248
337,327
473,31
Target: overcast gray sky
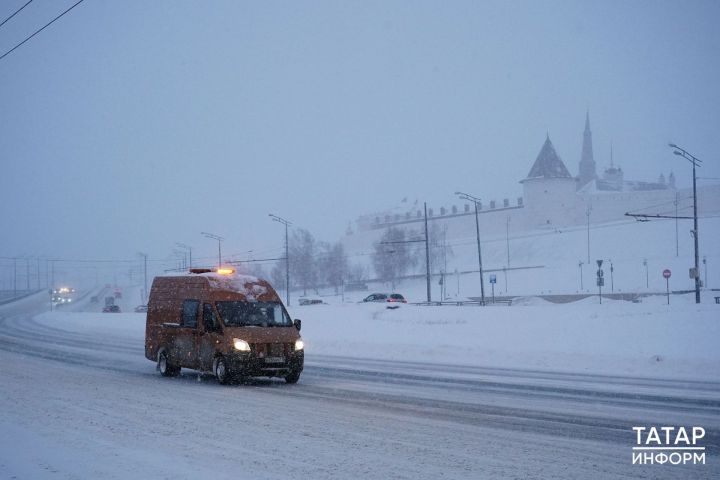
131,125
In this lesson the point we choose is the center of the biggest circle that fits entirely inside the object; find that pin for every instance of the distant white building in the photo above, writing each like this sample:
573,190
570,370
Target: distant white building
553,198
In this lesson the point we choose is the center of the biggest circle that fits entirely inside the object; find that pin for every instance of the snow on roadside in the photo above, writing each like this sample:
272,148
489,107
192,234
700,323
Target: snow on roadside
616,338
649,339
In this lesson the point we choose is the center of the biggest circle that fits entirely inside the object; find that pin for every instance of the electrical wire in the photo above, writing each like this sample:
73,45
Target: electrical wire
39,30
16,12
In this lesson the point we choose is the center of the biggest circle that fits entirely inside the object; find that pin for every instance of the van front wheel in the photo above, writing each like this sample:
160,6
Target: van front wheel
292,377
222,371
165,368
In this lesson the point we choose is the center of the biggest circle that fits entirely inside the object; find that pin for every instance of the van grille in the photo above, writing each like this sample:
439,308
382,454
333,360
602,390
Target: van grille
272,349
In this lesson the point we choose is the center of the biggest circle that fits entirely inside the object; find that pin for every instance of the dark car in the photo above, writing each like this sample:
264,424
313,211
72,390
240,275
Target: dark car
141,309
111,309
385,297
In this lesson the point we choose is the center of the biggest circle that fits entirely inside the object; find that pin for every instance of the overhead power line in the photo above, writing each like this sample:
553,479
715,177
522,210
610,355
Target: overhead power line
16,12
39,30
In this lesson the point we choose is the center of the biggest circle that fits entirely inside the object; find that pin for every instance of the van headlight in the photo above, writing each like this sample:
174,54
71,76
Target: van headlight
299,344
241,345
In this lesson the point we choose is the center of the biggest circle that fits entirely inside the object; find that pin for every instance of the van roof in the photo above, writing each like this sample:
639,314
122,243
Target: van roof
249,286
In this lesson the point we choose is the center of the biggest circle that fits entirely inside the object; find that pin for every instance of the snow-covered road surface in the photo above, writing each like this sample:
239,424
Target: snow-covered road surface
85,403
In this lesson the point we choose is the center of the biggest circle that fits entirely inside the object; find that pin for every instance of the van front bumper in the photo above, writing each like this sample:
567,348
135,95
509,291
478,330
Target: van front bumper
250,365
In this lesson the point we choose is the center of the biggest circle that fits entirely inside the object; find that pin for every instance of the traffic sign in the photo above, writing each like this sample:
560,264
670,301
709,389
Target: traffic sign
493,279
666,273
600,282
599,262
599,273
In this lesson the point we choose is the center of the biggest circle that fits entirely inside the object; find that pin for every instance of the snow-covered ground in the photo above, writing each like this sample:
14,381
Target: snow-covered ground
620,338
533,390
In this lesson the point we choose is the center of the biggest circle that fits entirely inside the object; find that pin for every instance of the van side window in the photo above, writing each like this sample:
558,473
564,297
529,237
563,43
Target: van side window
210,321
189,313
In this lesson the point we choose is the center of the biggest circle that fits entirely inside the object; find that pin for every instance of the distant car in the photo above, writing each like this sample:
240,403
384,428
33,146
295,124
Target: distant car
309,301
141,309
385,297
111,309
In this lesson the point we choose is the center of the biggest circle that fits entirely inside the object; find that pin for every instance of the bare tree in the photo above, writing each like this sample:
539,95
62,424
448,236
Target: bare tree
439,249
277,274
303,249
392,256
333,264
357,272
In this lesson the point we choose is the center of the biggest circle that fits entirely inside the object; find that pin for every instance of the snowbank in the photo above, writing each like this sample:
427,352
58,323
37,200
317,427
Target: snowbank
618,338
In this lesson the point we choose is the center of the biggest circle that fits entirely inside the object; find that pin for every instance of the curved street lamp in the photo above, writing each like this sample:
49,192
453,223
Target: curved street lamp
696,162
476,201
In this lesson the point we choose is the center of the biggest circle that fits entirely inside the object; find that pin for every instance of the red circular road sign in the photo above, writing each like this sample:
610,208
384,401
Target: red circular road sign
666,273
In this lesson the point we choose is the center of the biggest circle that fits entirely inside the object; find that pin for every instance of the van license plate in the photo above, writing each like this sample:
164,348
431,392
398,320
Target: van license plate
274,360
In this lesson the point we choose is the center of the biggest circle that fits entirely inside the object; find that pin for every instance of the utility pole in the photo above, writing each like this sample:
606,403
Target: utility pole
14,277
677,247
587,213
647,278
281,220
507,238
695,163
612,279
580,264
427,255
476,200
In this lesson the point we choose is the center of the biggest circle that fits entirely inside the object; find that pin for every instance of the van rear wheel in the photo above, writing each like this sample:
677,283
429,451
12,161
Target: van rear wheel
165,367
222,371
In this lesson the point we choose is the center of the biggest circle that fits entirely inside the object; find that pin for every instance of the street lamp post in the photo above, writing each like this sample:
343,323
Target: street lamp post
580,264
695,163
612,279
219,240
145,292
705,267
189,249
476,201
287,255
647,277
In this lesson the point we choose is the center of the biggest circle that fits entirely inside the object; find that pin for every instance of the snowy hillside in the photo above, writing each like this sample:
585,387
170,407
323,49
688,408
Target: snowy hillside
547,261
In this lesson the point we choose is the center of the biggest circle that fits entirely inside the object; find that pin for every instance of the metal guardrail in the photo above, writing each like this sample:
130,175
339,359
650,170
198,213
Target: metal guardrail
465,303
20,295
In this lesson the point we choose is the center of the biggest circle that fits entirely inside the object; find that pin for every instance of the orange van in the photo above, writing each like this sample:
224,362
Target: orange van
221,322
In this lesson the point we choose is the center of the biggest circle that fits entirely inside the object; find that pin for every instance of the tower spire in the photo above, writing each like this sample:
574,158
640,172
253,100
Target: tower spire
587,120
587,162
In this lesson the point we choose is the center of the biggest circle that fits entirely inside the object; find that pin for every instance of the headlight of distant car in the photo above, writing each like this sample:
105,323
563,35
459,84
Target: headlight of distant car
299,344
241,345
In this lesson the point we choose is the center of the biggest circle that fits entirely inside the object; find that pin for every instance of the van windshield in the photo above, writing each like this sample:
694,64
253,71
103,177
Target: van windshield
253,314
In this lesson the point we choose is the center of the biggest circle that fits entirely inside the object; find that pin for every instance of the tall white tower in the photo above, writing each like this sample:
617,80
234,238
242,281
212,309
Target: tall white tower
587,163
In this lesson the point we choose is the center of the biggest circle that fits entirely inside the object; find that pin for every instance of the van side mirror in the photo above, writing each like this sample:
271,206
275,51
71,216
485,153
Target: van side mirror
297,323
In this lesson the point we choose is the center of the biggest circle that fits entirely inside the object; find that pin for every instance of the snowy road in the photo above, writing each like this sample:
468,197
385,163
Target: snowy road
82,402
